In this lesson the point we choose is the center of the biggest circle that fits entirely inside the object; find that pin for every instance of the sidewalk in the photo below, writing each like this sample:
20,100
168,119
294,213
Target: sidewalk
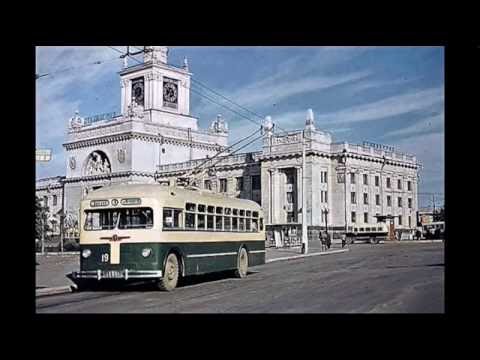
314,248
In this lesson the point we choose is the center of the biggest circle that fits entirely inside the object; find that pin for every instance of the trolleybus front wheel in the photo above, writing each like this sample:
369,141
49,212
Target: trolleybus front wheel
170,274
242,263
373,240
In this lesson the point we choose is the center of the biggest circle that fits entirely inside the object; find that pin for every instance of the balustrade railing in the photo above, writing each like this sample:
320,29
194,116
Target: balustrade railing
100,117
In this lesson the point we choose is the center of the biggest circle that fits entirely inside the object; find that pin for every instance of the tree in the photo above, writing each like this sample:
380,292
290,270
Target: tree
40,212
439,215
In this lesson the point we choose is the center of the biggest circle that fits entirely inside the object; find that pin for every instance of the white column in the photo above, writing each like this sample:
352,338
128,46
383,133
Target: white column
124,86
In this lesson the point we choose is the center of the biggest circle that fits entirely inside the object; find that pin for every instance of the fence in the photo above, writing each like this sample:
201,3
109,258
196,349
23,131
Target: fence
290,235
54,244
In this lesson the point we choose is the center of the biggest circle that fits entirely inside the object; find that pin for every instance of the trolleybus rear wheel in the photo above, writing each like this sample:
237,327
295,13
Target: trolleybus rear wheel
373,240
170,274
242,263
349,240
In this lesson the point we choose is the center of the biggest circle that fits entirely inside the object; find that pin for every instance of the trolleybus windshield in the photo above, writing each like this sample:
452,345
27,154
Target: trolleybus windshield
127,218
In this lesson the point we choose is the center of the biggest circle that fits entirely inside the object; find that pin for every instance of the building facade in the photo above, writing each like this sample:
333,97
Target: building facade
156,139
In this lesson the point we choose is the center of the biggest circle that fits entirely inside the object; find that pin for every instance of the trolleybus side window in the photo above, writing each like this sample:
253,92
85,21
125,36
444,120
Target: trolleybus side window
254,224
227,220
210,222
172,218
190,216
241,224
234,223
201,221
201,208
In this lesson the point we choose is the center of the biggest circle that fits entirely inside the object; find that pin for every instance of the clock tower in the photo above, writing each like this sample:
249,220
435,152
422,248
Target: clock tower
161,90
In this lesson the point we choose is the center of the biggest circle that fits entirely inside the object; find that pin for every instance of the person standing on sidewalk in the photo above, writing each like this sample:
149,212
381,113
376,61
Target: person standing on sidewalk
344,240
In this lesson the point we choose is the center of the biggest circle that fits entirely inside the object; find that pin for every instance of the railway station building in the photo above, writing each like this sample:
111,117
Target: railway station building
155,138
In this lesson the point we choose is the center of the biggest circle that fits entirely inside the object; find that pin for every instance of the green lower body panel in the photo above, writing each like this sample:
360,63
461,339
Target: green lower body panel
196,258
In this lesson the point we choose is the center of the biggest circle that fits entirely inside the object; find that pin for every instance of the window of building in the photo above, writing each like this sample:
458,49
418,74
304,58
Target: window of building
54,200
365,218
409,203
377,215
365,179
354,216
45,201
399,184
353,197
388,183
377,199
389,200
239,183
400,220
223,185
399,202
323,177
365,198
377,180
409,185
409,221
352,178
256,184
208,185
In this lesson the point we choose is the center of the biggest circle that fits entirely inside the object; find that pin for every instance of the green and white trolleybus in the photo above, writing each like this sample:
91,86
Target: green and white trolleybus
133,232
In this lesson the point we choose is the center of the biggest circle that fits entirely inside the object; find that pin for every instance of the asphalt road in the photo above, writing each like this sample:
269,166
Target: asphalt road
384,278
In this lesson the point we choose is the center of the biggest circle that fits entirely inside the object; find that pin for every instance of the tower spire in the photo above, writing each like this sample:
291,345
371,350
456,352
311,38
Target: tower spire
156,54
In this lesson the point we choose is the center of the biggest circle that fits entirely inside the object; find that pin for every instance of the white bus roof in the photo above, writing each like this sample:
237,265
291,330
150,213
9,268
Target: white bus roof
173,196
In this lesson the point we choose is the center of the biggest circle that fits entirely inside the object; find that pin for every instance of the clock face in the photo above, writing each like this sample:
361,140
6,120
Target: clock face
170,92
138,90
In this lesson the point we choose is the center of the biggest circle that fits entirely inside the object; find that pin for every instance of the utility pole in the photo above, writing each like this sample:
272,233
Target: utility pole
304,201
43,233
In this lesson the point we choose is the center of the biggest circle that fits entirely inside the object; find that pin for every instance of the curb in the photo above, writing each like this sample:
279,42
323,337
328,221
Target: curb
307,255
414,242
53,291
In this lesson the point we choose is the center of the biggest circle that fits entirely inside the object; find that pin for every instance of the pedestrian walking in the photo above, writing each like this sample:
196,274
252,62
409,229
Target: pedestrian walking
344,240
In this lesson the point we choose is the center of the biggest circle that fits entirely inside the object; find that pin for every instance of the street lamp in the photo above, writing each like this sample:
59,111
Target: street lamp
325,211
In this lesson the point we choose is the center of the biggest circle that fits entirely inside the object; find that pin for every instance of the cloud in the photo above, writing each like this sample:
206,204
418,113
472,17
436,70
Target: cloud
57,95
430,152
297,75
429,124
388,107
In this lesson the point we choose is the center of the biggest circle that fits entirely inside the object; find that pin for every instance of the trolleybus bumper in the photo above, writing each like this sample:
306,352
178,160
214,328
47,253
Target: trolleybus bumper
115,274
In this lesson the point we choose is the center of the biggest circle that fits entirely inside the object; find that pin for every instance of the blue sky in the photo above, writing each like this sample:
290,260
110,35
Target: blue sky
388,95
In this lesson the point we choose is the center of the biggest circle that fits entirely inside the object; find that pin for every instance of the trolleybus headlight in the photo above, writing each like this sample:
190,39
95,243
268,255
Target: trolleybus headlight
146,252
86,253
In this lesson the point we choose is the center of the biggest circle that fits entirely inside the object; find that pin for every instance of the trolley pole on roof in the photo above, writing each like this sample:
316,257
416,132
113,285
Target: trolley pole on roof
304,201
